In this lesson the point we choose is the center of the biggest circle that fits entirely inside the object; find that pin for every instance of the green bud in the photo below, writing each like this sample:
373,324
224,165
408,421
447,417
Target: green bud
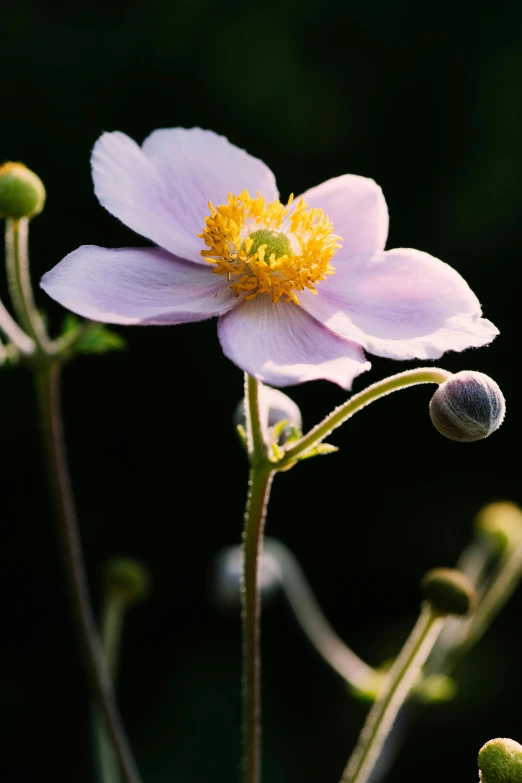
22,192
500,522
127,579
500,761
449,591
436,688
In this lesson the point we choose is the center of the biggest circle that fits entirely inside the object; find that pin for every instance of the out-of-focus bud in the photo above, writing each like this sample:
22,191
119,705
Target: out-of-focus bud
436,689
468,406
500,761
501,523
22,192
449,591
225,583
274,407
127,579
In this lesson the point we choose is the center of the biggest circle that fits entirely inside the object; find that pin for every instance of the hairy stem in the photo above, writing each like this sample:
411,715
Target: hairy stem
356,403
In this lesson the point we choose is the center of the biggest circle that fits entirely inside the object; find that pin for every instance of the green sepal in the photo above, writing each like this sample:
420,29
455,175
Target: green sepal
241,433
10,355
317,451
89,337
278,428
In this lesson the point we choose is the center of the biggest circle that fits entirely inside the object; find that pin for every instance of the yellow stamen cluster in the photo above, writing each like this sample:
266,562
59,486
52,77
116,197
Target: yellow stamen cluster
232,234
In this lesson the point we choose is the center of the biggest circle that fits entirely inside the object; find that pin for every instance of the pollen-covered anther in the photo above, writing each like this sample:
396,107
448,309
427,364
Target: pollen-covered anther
269,248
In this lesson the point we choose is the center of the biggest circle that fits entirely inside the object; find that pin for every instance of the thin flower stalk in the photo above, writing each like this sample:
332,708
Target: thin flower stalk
402,678
314,623
356,403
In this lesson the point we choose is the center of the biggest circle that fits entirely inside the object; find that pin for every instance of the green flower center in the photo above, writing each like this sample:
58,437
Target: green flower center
276,242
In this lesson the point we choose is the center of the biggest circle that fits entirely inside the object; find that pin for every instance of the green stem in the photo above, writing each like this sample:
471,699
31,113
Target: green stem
259,491
48,385
260,481
111,628
255,429
17,263
356,403
110,631
402,678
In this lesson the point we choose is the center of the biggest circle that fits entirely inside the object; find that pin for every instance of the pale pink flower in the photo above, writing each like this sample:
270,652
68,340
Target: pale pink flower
295,301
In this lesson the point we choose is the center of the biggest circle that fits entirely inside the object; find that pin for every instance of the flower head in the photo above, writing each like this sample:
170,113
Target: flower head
300,288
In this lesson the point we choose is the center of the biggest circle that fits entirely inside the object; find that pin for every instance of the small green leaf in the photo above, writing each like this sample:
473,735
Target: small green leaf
278,428
89,337
242,436
322,448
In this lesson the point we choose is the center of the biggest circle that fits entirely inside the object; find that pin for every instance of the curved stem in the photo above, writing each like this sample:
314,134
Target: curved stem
402,677
48,386
359,401
111,628
17,262
313,621
13,332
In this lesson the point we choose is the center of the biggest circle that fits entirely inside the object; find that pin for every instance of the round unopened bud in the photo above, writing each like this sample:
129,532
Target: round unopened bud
449,591
468,406
500,761
127,579
274,406
501,523
22,192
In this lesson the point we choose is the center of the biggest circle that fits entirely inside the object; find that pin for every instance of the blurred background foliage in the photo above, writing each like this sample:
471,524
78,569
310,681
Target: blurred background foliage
425,99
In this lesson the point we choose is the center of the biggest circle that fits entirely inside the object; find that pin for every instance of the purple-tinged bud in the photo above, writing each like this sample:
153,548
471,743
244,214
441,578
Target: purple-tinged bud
468,406
500,761
275,406
22,192
449,591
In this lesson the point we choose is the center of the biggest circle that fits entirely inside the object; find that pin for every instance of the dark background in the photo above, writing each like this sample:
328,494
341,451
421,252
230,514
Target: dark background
429,103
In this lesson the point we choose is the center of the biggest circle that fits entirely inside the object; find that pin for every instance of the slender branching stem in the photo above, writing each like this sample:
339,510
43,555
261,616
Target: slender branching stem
48,387
403,675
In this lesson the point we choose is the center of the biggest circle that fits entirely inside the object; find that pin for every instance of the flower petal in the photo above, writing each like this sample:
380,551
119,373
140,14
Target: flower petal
136,286
357,209
162,190
281,344
402,304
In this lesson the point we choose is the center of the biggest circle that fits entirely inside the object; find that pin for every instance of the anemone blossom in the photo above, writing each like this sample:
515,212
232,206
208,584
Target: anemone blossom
300,289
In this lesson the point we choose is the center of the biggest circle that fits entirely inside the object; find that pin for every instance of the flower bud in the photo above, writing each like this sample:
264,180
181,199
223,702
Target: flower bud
500,761
22,192
275,406
127,579
467,407
501,523
449,591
